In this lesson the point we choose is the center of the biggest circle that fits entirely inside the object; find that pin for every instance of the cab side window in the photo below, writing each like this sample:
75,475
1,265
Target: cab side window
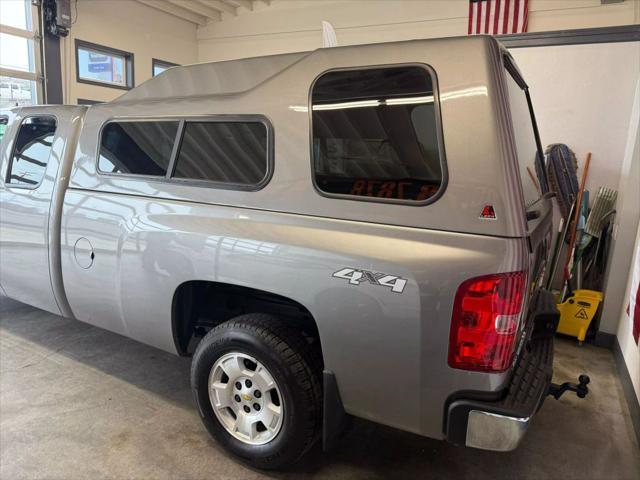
31,152
375,134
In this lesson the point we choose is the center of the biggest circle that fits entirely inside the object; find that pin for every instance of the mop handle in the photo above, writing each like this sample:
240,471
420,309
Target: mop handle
576,216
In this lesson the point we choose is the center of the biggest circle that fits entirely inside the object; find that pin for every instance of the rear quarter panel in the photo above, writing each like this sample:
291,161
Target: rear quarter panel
388,350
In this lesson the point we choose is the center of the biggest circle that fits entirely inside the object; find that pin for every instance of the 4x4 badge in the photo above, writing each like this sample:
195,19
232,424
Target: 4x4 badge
356,277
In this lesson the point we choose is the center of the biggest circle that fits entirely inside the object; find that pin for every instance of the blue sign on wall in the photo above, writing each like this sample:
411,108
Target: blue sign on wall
97,57
99,67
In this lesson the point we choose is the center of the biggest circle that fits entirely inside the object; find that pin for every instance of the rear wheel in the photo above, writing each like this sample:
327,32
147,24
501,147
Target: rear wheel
257,386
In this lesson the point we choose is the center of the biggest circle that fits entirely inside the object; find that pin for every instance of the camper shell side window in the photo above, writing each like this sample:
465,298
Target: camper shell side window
229,152
376,134
137,148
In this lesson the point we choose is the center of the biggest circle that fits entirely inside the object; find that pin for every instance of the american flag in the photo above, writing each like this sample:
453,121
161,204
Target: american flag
498,17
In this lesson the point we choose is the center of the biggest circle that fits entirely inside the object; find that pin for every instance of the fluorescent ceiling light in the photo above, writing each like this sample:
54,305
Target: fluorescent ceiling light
343,105
409,100
466,92
366,103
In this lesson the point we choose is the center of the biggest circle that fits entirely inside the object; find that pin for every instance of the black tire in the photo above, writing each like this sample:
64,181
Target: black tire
296,368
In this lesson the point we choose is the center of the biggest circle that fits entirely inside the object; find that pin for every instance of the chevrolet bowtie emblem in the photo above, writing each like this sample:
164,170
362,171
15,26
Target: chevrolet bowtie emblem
246,397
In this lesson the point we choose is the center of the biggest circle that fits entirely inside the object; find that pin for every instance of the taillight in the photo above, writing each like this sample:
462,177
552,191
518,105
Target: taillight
486,316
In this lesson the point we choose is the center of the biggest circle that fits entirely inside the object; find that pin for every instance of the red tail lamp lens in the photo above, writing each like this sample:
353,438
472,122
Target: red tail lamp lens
486,316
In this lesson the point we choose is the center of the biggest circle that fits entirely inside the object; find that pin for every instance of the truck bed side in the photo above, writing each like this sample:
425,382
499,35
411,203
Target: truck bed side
370,335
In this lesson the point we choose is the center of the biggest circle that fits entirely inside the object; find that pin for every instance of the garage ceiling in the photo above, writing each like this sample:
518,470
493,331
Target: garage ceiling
202,12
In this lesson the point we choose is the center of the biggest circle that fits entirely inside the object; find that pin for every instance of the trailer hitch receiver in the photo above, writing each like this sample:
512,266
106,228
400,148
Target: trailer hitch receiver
580,388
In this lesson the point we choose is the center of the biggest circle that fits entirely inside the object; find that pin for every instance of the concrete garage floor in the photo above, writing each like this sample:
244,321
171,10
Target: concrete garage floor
78,402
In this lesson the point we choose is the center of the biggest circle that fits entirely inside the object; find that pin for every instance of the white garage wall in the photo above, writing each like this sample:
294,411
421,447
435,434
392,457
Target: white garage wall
614,313
631,207
294,25
130,26
627,241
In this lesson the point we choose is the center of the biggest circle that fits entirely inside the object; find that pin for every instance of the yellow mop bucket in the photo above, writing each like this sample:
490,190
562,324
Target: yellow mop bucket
577,312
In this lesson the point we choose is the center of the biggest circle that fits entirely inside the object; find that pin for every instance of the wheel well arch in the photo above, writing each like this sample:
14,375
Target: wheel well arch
200,305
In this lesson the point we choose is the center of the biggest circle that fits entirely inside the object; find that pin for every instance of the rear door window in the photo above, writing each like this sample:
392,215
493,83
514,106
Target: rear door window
137,147
31,151
4,121
376,134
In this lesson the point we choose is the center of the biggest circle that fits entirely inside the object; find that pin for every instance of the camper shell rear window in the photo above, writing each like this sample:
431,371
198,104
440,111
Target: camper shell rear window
377,136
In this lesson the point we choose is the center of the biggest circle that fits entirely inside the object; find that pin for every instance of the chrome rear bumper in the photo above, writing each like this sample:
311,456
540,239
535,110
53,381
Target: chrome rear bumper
490,431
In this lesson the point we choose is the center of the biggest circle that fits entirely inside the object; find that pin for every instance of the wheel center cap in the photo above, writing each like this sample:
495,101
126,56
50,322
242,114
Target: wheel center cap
246,397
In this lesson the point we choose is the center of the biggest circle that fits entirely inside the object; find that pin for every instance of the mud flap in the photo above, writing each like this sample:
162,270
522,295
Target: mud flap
334,419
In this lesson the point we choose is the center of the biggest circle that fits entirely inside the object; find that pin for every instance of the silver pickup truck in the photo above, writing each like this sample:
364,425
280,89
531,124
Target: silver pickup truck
353,231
